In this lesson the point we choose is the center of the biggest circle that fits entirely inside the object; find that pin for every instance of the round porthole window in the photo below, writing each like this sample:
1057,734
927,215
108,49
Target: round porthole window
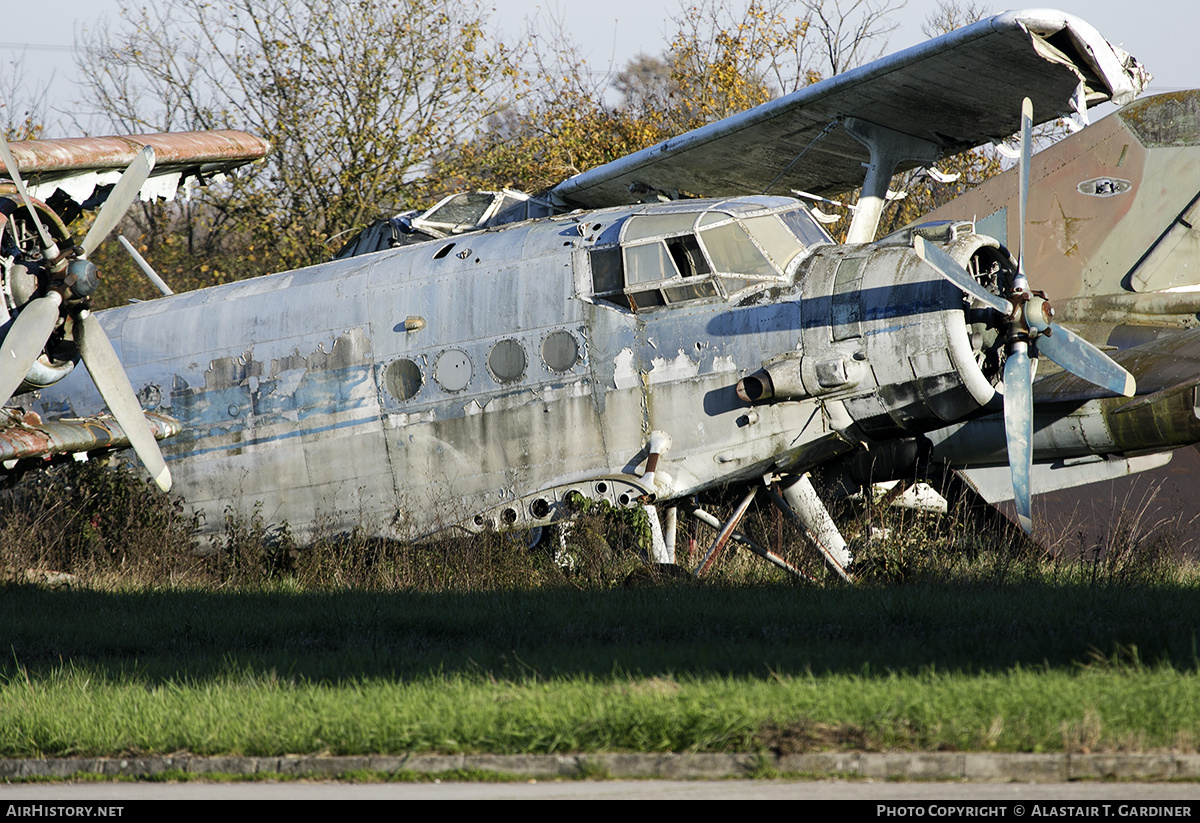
507,361
402,379
560,351
452,370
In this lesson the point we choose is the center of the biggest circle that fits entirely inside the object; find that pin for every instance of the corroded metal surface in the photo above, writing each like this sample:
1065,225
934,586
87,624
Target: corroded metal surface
24,436
206,149
312,393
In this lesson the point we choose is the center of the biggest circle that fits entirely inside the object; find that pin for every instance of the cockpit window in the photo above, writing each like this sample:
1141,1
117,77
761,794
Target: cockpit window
679,256
460,211
779,244
732,251
647,263
802,224
641,226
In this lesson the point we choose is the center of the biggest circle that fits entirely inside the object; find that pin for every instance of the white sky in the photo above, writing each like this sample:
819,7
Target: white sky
1160,33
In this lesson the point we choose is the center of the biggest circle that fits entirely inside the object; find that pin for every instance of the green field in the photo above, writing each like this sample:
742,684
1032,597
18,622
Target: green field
1027,667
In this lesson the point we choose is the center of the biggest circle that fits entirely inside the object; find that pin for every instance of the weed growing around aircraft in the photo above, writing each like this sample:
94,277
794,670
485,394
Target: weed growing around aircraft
89,526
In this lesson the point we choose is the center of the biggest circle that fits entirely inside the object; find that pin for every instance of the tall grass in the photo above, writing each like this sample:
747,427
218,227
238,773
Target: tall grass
95,526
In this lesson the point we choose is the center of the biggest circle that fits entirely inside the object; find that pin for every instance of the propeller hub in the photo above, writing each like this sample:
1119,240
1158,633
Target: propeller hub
1039,315
82,277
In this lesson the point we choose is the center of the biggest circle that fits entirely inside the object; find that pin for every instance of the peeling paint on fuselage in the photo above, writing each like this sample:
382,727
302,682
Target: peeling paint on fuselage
279,384
306,394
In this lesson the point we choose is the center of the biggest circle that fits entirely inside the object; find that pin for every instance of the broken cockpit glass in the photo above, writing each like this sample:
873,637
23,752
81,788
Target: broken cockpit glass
455,214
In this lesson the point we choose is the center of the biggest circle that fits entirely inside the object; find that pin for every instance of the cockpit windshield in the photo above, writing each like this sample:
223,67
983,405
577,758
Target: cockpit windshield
680,255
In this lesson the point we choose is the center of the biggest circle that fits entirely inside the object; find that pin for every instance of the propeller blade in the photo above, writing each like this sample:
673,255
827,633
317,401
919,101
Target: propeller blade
109,376
1026,153
1018,428
119,199
1082,359
948,267
25,340
48,245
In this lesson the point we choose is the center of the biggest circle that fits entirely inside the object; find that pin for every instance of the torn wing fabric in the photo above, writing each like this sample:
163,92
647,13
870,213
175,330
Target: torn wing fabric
80,165
958,91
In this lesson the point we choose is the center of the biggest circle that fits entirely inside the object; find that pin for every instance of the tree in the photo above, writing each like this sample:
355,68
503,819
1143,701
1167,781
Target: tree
358,99
718,63
22,108
848,36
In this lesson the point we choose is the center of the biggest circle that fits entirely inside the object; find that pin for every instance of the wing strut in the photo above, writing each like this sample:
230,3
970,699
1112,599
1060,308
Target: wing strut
888,149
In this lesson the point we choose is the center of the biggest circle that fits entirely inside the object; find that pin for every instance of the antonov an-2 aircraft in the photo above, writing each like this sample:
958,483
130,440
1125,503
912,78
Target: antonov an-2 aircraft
646,330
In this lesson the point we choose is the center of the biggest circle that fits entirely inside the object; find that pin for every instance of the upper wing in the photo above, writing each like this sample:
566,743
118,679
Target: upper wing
957,91
80,165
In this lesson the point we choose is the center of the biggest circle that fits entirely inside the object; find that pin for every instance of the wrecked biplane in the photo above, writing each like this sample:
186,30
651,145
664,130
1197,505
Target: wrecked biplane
639,345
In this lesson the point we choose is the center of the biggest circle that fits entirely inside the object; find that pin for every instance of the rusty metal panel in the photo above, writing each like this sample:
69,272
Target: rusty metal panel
205,149
25,436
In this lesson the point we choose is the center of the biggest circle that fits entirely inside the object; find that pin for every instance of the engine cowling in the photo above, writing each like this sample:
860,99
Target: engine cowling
893,348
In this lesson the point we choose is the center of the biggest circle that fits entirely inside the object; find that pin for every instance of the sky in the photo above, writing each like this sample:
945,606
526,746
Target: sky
1160,33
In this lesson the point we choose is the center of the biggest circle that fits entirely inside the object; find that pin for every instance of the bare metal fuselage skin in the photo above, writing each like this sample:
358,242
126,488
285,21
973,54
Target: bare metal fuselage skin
477,382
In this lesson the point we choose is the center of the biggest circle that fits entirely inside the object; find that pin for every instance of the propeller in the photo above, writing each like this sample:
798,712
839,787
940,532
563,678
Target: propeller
1029,329
71,279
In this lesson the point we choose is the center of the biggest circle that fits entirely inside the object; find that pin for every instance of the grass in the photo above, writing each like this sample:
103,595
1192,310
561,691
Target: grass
1034,668
949,643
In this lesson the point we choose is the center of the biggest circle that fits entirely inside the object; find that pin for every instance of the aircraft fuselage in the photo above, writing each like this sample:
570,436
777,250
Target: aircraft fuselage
478,381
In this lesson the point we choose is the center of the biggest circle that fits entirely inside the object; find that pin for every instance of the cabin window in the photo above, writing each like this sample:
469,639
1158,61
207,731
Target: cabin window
452,370
402,379
560,351
506,361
